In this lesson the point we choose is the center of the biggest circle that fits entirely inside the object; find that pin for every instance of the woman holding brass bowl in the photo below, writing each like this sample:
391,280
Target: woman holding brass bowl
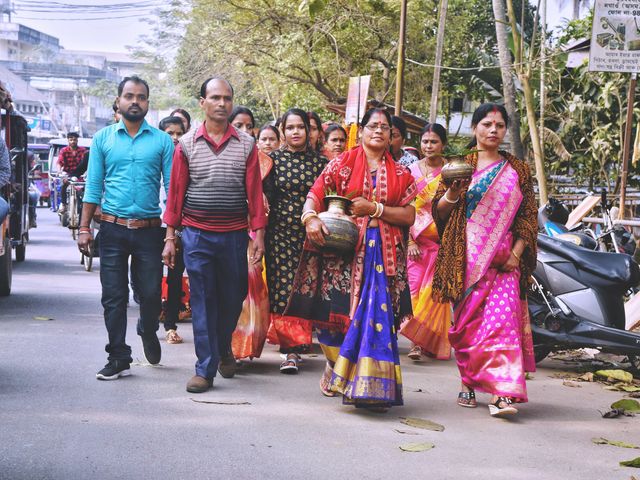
358,298
488,228
428,329
295,167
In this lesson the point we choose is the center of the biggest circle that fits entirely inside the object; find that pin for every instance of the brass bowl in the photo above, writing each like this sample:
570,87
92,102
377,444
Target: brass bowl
343,231
456,169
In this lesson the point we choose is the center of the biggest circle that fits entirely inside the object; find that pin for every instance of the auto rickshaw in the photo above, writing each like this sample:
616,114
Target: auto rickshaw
14,231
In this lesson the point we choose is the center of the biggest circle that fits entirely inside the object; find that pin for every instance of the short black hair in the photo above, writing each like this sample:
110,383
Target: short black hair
184,113
134,79
203,87
268,126
240,109
73,134
170,120
437,129
332,128
114,106
400,124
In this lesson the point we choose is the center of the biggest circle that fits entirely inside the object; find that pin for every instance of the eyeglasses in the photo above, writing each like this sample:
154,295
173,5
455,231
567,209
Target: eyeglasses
375,126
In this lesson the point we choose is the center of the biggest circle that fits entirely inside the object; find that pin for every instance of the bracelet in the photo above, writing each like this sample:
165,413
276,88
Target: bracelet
166,239
446,198
85,233
379,210
513,252
306,215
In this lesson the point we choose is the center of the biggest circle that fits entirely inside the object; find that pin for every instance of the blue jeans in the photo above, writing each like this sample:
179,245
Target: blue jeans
218,279
4,209
144,246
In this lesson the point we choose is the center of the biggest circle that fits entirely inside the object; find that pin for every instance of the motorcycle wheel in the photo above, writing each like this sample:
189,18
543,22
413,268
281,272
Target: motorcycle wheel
634,360
540,352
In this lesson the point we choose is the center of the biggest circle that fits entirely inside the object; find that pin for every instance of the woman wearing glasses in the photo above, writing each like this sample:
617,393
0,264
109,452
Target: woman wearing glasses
358,299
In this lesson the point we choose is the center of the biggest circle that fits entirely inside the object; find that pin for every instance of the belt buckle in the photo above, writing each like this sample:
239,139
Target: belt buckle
130,226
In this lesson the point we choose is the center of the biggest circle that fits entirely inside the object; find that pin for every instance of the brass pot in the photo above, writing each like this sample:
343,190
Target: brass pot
456,169
343,231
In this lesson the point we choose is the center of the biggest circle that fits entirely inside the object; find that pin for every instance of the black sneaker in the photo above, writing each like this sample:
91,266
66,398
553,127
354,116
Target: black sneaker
151,347
113,370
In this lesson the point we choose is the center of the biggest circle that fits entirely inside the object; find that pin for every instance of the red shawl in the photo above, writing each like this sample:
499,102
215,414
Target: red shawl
349,176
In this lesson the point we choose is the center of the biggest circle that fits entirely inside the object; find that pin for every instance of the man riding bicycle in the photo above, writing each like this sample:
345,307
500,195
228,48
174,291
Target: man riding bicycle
68,160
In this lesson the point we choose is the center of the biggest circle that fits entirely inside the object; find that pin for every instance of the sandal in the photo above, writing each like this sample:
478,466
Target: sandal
290,364
325,382
467,399
173,337
496,410
415,353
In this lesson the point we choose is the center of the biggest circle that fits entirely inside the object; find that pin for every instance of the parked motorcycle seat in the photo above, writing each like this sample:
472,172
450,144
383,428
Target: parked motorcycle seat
616,267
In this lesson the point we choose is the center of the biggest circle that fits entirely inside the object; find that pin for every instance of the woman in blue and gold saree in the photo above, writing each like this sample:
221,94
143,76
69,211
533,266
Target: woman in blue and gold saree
357,300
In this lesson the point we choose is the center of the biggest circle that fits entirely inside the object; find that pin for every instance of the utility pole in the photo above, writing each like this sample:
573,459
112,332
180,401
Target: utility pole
401,49
435,88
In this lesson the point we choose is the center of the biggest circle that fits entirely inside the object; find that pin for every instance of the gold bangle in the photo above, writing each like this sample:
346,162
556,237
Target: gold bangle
307,216
375,205
515,254
166,239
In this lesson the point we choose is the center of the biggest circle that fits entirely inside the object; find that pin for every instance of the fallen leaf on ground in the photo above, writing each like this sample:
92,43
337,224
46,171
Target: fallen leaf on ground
422,423
620,375
220,403
416,447
405,432
43,318
630,388
615,443
568,383
587,377
631,463
627,404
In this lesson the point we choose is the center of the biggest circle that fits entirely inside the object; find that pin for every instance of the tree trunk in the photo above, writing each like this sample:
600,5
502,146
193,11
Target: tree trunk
524,74
576,9
508,86
435,88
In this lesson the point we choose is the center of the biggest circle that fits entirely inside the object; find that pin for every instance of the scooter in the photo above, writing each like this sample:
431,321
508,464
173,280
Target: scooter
577,300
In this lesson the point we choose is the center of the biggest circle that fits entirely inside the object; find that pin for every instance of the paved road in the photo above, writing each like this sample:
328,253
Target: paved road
58,422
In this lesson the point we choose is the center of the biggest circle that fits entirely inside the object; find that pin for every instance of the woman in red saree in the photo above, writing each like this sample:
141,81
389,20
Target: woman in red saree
428,329
488,230
358,299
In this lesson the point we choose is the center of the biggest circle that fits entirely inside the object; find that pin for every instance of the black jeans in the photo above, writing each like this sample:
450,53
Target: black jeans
144,246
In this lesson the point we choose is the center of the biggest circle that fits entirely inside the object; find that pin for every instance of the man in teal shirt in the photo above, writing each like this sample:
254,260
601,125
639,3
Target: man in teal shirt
126,163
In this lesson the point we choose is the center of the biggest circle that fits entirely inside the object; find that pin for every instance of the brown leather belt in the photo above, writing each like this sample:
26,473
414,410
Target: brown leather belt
132,223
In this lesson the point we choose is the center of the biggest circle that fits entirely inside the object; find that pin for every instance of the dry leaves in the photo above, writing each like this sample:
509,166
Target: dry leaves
417,447
569,383
615,443
422,423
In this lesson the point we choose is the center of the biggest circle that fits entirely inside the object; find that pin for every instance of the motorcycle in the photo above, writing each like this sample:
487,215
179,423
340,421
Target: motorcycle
554,216
577,300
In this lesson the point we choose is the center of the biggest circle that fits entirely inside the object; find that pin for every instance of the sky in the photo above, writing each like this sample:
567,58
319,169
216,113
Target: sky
76,32
114,34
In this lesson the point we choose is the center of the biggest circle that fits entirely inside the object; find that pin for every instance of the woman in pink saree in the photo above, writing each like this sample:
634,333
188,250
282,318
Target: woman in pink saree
488,228
429,326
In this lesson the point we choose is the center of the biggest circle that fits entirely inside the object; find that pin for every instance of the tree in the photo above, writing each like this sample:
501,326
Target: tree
508,85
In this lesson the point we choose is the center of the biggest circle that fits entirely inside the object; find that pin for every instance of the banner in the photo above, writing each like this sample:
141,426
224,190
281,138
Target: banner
357,99
615,36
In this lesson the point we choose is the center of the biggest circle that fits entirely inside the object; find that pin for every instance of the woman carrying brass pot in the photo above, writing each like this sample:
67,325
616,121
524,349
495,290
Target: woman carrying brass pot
357,299
488,229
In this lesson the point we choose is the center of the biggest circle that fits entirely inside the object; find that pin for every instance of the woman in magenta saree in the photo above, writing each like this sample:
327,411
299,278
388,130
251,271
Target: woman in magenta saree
428,328
487,254
357,300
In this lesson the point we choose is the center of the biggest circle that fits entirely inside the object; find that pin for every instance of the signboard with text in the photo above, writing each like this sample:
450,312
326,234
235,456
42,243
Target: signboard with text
615,36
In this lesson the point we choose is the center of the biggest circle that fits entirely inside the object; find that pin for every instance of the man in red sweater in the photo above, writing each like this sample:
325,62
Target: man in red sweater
215,194
68,160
